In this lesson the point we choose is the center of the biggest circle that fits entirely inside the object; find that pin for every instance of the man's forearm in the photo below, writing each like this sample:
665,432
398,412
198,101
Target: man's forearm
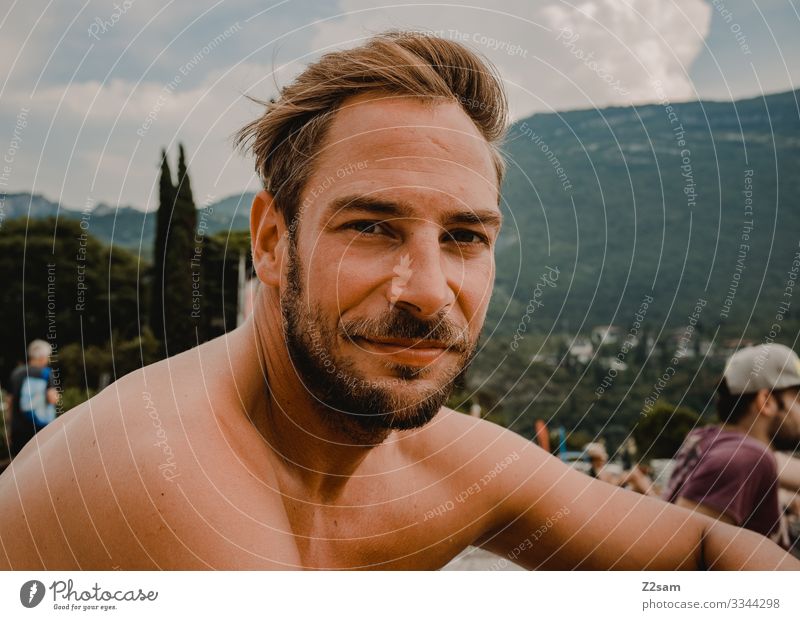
726,547
788,471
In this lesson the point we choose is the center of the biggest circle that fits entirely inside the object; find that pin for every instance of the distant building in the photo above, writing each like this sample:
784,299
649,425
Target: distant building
548,360
705,347
726,348
686,345
606,334
582,350
613,362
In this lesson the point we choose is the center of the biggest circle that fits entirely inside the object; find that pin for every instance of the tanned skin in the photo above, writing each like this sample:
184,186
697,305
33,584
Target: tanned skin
220,458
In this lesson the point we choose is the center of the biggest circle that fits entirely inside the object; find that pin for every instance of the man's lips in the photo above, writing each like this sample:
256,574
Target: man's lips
406,350
408,343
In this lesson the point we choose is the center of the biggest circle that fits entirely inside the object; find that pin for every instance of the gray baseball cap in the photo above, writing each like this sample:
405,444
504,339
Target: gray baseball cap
762,367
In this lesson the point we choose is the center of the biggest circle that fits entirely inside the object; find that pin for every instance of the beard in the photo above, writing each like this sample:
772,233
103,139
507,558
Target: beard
785,441
785,434
357,404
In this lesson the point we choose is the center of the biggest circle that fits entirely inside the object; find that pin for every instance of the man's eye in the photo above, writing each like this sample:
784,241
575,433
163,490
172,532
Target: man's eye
467,237
366,227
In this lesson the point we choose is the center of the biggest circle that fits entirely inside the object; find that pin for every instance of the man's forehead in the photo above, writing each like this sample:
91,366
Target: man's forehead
406,151
380,110
382,125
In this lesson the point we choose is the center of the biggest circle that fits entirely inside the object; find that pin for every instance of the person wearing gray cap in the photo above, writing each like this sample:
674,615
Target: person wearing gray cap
729,472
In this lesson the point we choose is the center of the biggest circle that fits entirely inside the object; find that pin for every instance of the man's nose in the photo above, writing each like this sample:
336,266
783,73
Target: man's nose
420,283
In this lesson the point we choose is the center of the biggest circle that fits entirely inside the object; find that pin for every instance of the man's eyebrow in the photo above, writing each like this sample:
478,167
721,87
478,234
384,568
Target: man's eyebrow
483,217
391,209
365,203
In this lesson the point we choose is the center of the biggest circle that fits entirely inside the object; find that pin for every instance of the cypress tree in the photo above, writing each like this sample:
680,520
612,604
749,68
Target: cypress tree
166,198
181,268
184,200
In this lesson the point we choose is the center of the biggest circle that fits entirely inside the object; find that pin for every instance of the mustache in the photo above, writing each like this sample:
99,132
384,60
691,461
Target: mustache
401,324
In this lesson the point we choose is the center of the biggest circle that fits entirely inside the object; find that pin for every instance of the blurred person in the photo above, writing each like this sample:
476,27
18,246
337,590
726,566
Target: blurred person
729,472
32,396
598,460
7,406
638,478
315,435
7,415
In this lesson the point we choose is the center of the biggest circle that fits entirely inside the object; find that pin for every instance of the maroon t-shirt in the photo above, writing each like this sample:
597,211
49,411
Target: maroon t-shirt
731,473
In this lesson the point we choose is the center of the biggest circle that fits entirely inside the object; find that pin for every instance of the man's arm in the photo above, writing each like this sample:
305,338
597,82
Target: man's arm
52,391
705,509
551,516
788,471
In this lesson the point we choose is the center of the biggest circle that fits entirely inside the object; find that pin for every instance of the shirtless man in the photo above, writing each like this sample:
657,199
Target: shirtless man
314,435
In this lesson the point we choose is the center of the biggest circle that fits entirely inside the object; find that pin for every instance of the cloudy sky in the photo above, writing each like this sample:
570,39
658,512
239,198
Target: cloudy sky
91,91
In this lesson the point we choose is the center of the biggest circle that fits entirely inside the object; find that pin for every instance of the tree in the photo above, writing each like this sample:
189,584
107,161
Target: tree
166,200
220,280
660,433
63,285
182,272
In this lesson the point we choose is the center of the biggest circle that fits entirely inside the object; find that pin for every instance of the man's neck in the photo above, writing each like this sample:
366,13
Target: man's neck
753,428
318,448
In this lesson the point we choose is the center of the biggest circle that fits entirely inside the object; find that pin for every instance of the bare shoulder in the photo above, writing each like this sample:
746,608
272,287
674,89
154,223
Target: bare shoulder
470,450
502,471
143,475
456,437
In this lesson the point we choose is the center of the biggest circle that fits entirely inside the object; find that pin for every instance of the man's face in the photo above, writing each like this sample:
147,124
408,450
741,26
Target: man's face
786,424
390,275
39,362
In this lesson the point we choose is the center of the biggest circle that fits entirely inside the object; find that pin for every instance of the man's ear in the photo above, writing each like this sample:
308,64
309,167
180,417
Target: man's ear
266,238
765,403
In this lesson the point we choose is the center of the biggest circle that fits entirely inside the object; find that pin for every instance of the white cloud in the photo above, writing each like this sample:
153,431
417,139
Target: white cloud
95,93
615,51
85,129
106,137
638,42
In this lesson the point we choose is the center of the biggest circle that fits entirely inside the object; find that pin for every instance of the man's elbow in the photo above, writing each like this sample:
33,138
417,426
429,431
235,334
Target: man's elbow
708,511
727,547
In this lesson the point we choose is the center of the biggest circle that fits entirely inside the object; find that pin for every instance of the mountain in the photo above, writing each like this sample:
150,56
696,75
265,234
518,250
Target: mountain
128,226
20,205
693,204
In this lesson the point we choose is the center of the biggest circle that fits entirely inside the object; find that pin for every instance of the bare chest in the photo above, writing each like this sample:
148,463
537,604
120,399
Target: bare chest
391,527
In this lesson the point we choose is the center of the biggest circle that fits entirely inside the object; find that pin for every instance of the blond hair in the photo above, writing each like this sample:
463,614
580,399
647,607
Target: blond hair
288,136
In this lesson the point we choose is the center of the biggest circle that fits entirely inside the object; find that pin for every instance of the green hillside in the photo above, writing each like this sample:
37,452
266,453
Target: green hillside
621,222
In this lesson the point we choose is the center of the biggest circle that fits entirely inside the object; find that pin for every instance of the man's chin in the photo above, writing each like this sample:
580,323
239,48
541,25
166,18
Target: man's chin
409,415
392,401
